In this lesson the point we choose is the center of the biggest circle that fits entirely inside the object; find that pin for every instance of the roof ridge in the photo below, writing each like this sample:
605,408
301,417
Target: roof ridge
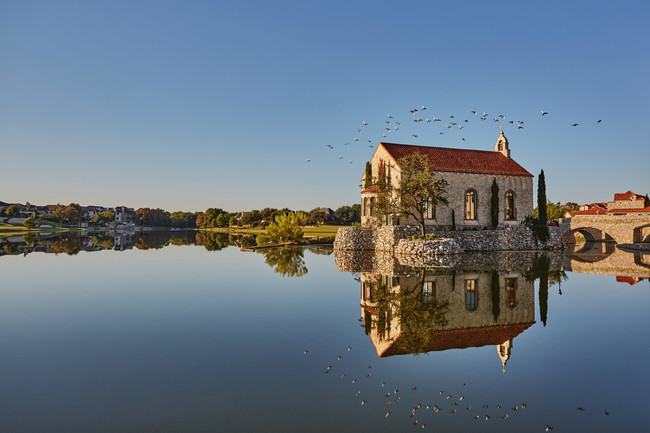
441,147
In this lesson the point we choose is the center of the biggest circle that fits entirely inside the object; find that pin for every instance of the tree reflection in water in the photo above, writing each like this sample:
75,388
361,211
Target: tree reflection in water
287,262
541,270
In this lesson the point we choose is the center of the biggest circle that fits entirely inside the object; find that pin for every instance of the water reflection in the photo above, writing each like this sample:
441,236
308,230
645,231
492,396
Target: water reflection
74,242
287,262
465,301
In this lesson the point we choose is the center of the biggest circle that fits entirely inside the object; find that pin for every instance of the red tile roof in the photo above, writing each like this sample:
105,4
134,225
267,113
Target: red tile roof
630,280
591,211
464,338
628,195
460,160
371,188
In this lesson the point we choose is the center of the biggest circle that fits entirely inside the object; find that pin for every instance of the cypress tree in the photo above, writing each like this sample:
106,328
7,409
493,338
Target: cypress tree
494,209
368,180
541,206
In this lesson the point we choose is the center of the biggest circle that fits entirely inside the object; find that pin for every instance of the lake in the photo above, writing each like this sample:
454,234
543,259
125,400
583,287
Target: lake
183,332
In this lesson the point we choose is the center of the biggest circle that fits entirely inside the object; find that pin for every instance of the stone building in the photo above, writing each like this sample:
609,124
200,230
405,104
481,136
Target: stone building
469,174
625,203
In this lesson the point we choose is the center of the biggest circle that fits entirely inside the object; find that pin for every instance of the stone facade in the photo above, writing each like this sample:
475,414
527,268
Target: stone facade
520,186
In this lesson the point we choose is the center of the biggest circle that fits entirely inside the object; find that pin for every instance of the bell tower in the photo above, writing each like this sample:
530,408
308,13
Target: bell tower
502,144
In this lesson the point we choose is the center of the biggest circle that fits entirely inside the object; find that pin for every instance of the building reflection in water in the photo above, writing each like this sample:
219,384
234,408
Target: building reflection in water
417,305
433,310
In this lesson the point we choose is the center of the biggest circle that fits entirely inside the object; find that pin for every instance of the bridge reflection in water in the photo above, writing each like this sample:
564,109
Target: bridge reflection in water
604,258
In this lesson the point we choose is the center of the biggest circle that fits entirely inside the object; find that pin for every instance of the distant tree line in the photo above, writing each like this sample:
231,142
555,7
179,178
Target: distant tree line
73,214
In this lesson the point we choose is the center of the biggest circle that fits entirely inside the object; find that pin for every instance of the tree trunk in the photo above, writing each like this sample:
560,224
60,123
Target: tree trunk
423,230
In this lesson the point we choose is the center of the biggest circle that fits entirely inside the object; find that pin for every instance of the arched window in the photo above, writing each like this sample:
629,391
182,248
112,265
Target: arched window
471,298
373,200
510,206
470,205
511,292
366,211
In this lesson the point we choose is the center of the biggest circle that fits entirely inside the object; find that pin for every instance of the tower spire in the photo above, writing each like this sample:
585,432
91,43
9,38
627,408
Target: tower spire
502,144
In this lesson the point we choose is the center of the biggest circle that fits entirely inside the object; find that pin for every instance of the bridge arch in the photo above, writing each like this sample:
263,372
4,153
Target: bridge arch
591,234
642,233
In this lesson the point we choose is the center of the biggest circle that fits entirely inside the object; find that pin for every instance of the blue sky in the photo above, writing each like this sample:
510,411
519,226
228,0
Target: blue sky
189,105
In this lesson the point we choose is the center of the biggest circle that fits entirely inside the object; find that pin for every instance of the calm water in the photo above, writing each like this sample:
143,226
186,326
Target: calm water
151,334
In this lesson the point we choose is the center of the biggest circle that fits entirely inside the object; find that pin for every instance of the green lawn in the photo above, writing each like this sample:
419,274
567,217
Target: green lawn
310,231
7,230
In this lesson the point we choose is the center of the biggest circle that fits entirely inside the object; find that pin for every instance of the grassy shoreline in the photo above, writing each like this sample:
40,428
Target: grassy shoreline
312,234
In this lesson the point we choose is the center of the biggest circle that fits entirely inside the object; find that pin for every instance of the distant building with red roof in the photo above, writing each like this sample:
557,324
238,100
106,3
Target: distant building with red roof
469,175
626,203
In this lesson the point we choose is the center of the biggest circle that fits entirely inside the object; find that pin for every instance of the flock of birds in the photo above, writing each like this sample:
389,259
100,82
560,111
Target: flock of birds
452,124
426,407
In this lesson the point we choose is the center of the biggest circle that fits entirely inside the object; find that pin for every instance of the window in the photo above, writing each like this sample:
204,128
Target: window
373,200
428,291
470,205
429,208
365,207
471,300
510,206
511,292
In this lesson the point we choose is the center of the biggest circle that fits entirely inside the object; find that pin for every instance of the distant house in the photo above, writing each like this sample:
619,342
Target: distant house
626,203
124,215
469,175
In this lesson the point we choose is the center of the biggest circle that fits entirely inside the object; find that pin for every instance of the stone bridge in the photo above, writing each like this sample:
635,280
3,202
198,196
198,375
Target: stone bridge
622,229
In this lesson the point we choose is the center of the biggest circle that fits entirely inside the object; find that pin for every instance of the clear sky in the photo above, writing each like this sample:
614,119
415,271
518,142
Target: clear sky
189,105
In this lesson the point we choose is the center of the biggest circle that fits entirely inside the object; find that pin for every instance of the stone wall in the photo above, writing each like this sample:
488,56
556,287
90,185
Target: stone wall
506,238
354,238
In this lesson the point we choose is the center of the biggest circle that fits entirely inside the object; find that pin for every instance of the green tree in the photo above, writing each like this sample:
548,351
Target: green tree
285,229
232,222
368,175
494,205
29,223
346,215
103,217
13,210
418,189
70,214
541,206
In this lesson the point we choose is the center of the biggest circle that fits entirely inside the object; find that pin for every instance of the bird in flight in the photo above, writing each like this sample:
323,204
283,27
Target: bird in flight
544,113
575,124
599,121
364,123
389,116
308,160
415,136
